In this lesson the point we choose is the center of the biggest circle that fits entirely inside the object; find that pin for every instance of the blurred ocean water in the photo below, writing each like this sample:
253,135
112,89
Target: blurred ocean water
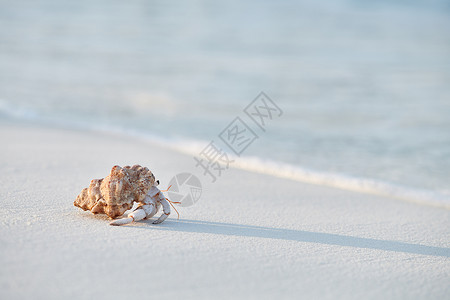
364,85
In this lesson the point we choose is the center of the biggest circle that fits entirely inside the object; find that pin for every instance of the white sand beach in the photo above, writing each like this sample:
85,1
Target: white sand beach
335,114
250,236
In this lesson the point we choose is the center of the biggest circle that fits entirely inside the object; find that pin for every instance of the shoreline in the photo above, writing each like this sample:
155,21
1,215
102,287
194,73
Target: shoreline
270,167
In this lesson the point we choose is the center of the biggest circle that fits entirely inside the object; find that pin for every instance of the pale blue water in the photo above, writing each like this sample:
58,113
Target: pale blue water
364,85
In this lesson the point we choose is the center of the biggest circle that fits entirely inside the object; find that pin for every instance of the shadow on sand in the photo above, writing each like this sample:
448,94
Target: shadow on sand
294,235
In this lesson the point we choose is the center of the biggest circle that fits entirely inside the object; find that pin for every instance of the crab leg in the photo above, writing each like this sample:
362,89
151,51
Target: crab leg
166,210
136,215
154,211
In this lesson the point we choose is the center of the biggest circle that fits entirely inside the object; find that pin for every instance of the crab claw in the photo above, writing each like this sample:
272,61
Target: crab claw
123,221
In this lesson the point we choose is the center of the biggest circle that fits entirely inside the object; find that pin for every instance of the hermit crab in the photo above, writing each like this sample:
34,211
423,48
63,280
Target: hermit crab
118,192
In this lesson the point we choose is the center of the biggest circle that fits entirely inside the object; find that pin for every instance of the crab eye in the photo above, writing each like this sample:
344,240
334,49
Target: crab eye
157,182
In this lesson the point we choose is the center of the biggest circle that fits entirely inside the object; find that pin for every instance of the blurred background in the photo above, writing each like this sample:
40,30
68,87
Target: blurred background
364,85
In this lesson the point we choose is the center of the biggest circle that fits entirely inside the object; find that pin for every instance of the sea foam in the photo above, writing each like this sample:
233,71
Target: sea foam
250,163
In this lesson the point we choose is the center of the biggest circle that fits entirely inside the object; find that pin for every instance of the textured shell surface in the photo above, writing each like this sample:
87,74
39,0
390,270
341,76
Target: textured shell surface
116,193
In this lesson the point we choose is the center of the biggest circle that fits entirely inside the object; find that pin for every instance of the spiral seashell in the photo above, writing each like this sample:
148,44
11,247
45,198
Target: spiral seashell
116,193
